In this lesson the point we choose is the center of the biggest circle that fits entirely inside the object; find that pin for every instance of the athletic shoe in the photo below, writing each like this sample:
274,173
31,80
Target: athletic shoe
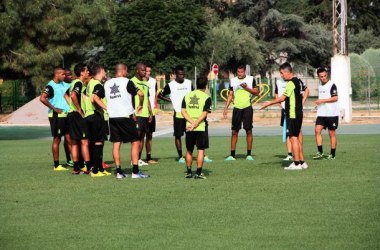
142,163
84,169
105,165
106,173
60,168
249,158
230,158
206,159
151,161
76,172
121,176
318,156
182,160
304,166
70,164
199,176
190,175
99,174
139,175
330,158
288,158
293,167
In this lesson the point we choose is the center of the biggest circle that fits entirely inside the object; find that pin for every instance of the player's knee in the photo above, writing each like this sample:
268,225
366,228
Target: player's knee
235,132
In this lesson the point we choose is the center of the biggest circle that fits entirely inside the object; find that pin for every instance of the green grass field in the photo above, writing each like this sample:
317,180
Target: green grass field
242,205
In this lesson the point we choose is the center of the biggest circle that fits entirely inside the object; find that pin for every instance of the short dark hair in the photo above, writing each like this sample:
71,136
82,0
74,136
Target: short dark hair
179,68
97,69
242,67
321,69
202,82
286,67
57,68
80,67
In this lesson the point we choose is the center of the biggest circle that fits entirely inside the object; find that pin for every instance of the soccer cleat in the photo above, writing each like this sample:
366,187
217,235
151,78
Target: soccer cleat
181,160
288,158
99,174
106,173
139,175
293,167
151,161
105,165
76,172
70,164
189,175
60,168
304,166
230,158
142,163
84,169
121,176
330,158
206,159
249,158
318,156
201,176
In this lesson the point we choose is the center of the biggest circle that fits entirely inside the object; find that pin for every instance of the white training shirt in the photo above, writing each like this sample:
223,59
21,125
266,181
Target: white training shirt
325,92
177,93
119,100
281,85
152,93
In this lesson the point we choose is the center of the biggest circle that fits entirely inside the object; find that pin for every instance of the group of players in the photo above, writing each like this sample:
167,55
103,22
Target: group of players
91,107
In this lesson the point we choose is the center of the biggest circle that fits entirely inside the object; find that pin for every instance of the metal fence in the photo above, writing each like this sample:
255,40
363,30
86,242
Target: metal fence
14,94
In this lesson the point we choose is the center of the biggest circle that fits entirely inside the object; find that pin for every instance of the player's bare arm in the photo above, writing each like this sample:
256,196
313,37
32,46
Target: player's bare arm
278,100
45,101
332,99
229,100
76,103
253,91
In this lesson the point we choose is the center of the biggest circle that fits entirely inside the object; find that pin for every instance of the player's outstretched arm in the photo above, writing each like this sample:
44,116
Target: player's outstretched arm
278,100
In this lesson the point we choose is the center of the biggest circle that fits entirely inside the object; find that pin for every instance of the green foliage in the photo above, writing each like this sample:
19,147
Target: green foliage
373,57
41,34
162,33
364,39
360,69
230,44
284,37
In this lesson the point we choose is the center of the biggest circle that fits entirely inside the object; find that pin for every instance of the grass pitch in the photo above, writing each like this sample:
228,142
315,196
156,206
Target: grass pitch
242,205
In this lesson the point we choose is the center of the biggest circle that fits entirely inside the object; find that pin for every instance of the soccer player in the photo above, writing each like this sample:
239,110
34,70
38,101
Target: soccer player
327,114
94,116
68,79
78,126
152,83
293,96
177,90
195,107
143,119
119,93
280,87
241,89
53,98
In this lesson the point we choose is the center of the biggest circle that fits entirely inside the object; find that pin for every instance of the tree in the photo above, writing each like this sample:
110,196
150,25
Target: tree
360,68
231,44
364,39
284,37
162,33
42,34
373,57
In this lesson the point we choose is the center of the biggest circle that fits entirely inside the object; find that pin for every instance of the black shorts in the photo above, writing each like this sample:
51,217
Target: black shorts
144,125
123,130
282,117
152,125
95,124
78,126
293,126
199,138
179,126
59,126
244,116
328,122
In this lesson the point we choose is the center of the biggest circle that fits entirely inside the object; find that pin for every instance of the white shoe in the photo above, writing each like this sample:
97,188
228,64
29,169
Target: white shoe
139,175
304,166
293,167
288,158
121,176
142,163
